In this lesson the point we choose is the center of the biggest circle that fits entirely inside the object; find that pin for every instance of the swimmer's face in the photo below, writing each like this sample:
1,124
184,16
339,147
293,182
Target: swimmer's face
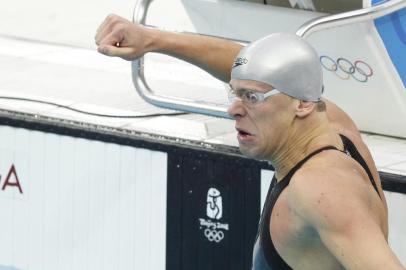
262,126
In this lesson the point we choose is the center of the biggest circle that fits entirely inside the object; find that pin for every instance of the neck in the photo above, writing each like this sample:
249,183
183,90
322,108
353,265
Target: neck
299,143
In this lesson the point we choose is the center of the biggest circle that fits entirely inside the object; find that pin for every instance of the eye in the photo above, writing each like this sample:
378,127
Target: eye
250,97
231,95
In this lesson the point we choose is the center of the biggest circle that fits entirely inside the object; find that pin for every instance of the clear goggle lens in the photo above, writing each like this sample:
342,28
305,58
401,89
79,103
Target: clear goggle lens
249,96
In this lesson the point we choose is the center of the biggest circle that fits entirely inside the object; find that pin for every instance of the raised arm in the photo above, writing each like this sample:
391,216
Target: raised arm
119,37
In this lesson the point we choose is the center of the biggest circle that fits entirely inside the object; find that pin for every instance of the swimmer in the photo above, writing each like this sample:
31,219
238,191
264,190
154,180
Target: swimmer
325,208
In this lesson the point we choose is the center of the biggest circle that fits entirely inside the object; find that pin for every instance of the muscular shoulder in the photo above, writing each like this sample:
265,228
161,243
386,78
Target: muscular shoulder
327,188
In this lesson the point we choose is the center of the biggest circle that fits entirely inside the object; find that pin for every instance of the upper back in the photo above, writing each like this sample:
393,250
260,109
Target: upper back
344,125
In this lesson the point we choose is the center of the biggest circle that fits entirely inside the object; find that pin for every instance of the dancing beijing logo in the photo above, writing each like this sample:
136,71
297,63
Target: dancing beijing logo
213,230
214,204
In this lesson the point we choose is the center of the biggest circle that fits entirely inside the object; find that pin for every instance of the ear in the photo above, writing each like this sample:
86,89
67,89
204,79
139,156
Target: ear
304,108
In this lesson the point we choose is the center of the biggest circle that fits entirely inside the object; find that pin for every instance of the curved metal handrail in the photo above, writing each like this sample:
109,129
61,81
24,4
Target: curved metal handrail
350,17
179,104
218,110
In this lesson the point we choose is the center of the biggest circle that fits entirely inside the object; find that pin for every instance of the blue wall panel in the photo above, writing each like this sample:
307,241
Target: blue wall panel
392,29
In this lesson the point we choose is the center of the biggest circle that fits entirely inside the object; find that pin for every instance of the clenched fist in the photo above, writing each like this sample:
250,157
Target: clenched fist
119,37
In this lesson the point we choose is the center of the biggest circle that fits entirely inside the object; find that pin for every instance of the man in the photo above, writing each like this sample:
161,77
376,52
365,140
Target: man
325,208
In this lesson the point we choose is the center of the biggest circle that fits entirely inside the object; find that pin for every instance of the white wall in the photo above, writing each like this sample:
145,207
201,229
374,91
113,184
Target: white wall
397,223
85,204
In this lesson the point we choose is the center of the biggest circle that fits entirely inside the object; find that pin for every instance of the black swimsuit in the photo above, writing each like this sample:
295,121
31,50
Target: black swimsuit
265,256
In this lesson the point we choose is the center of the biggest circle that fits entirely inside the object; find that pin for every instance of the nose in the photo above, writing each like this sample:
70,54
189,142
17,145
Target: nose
236,109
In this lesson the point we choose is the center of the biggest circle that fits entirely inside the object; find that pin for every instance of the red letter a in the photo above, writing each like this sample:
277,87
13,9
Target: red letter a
14,184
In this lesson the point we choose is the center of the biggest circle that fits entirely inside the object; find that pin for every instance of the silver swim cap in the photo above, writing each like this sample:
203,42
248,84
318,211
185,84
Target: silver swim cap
284,61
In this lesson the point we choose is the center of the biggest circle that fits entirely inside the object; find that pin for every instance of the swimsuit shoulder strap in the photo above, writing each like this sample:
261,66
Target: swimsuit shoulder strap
267,248
303,161
352,150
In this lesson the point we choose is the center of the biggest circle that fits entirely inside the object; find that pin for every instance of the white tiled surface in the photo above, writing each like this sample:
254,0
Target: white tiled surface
71,22
86,80
389,153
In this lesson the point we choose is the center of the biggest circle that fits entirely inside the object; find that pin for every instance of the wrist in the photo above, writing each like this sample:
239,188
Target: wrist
153,40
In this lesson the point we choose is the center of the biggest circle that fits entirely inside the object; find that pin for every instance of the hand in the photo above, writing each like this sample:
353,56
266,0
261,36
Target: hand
119,37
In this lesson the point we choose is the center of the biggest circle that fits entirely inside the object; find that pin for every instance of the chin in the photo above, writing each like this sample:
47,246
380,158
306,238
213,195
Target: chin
251,153
254,153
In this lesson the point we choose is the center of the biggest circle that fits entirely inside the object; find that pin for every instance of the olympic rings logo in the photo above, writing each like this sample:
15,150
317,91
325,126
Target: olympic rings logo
345,69
214,235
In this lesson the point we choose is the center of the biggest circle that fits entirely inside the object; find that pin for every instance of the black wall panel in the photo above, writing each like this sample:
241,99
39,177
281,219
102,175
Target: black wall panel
213,211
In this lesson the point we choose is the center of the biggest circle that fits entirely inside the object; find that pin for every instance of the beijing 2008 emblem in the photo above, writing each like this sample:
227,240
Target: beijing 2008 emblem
345,69
212,229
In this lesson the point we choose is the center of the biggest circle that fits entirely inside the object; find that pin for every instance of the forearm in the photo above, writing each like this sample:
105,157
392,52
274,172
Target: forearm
214,55
119,37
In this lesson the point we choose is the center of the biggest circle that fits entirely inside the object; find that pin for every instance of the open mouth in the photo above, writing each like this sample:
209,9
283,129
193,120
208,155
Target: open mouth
242,133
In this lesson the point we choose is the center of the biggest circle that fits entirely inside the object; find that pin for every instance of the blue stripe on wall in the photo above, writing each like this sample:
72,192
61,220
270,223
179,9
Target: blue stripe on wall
392,29
3,267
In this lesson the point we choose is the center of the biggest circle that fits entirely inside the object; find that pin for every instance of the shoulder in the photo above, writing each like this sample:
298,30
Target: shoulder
340,120
328,185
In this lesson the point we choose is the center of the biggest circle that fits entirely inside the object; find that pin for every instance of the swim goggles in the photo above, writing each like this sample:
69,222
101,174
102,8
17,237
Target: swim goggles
249,96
